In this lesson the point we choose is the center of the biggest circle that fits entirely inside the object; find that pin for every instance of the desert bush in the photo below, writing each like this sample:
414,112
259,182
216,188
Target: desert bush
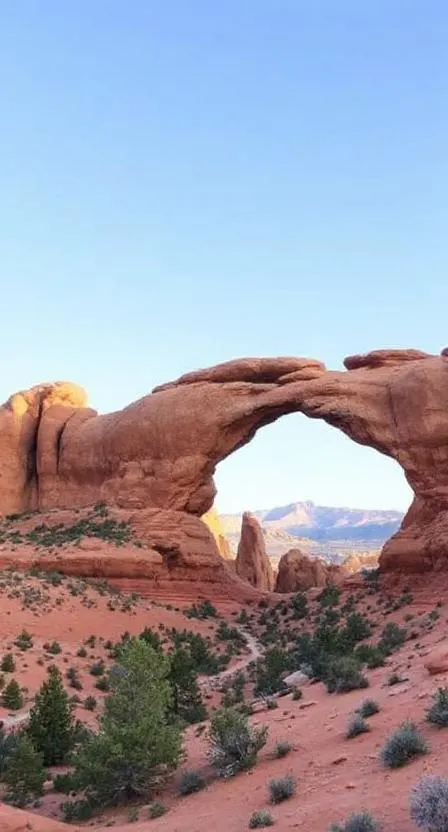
260,819
368,708
283,748
137,744
51,726
156,810
392,638
429,804
297,694
8,664
77,810
329,597
191,782
344,674
403,745
90,703
362,822
54,648
281,788
12,697
63,783
394,679
24,640
82,653
8,742
356,725
233,744
186,701
25,774
97,669
437,712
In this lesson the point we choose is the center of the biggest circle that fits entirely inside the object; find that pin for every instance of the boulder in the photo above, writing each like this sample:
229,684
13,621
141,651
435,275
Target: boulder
437,661
252,563
298,572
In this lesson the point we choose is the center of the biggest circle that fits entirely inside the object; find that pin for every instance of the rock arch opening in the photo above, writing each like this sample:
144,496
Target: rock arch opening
311,487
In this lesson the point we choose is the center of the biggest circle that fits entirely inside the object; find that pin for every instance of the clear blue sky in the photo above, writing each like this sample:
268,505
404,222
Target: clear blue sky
186,181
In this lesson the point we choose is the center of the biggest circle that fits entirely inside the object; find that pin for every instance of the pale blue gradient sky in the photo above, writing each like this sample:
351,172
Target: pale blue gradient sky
185,181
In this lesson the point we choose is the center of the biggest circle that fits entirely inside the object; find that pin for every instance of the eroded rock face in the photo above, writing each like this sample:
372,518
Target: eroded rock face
162,450
252,563
298,572
213,521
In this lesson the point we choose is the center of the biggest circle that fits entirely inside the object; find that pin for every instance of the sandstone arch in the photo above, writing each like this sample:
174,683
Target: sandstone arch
161,451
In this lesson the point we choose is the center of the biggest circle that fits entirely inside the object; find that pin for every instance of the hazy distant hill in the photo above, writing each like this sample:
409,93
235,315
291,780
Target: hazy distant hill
326,530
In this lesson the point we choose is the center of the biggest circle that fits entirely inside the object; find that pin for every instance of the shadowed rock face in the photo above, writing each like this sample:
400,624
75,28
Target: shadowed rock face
252,562
162,450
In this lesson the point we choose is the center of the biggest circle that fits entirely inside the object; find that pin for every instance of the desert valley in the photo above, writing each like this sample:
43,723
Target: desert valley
164,668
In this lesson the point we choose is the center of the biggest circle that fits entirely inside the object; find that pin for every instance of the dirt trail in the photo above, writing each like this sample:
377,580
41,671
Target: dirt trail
255,651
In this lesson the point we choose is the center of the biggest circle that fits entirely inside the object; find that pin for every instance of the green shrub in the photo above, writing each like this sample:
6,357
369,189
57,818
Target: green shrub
299,606
82,653
329,597
356,725
54,648
90,703
187,701
281,788
362,822
136,743
191,782
368,708
12,697
133,814
233,744
429,804
8,664
102,684
344,674
73,678
156,810
260,819
297,694
394,679
8,742
77,810
97,669
51,725
437,712
25,774
392,638
403,745
283,748
24,641
63,783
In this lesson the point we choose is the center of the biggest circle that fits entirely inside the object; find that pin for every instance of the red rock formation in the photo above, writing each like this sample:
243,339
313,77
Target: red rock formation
252,562
162,451
170,553
298,572
213,521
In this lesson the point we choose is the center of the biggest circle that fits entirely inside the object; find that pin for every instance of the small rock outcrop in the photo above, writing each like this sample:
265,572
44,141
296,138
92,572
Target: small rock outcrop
252,563
298,572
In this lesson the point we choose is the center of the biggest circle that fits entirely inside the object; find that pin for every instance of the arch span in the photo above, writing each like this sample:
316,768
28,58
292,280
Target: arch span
162,451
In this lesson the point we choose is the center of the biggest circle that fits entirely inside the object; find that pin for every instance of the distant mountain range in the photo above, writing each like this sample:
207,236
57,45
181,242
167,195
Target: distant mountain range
326,530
